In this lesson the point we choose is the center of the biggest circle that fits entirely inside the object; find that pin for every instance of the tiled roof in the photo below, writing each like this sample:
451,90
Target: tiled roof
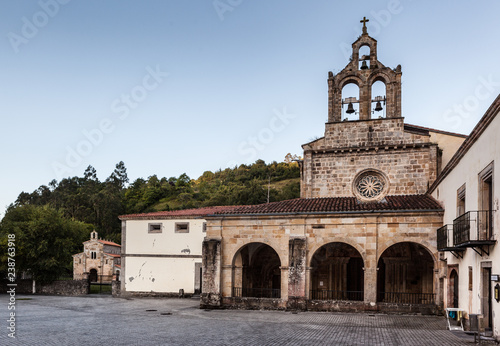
477,131
410,126
112,254
198,212
338,205
106,242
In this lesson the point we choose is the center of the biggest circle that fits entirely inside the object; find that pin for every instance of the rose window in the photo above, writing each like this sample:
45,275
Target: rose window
370,186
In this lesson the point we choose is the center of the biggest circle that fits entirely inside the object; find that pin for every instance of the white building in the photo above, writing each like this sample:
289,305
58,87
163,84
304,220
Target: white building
162,251
469,190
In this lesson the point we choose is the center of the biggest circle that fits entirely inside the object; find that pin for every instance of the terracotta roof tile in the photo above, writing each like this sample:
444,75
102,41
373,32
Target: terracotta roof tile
338,204
106,242
198,212
112,254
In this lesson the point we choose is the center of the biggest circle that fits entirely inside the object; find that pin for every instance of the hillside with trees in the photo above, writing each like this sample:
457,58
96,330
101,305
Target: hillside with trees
98,203
51,222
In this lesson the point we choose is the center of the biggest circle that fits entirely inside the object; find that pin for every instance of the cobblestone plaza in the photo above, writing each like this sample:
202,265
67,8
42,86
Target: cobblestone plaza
104,320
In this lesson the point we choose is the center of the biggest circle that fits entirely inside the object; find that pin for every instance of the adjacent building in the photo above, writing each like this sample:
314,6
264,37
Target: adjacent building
99,261
469,191
161,251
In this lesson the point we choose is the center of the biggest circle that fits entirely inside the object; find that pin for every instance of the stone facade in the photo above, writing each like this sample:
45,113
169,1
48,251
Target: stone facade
99,262
362,235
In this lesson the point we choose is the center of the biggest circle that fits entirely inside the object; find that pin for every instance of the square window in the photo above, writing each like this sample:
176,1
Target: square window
154,227
182,227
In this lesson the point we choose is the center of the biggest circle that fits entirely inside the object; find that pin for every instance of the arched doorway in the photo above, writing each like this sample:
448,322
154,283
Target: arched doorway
406,275
337,273
93,275
453,289
256,272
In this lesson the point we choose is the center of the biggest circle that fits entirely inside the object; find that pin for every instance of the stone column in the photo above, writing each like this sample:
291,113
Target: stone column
297,273
211,296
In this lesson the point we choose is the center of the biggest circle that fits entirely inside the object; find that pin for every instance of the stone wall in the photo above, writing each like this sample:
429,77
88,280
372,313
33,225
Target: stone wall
297,238
408,171
63,287
408,160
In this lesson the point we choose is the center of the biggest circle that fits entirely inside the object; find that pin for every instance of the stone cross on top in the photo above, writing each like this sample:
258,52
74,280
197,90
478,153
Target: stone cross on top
364,20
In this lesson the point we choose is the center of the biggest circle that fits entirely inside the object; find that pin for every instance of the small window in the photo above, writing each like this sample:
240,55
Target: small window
182,227
470,278
461,200
93,255
154,227
204,227
106,261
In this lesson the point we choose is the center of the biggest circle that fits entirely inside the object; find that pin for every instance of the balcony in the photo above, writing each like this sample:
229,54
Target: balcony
474,229
445,241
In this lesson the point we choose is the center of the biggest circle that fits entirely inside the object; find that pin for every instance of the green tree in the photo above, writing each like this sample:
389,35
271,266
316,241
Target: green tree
45,241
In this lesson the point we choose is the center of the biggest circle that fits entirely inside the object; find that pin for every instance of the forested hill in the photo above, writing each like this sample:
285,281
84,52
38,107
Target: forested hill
98,203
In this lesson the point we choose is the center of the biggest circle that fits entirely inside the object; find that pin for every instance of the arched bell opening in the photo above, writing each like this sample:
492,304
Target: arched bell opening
256,272
337,273
405,275
350,102
364,58
379,100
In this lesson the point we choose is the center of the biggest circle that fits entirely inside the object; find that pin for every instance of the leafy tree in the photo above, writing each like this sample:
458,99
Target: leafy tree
45,241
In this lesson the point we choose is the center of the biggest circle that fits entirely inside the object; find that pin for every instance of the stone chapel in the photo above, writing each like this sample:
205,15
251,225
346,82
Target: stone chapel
362,236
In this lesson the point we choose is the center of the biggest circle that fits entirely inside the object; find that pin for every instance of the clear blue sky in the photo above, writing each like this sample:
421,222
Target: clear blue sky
186,86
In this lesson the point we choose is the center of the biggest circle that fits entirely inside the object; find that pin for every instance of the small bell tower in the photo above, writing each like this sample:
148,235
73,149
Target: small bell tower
364,71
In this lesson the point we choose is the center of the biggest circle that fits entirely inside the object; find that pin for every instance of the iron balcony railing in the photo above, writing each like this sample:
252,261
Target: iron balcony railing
473,226
240,292
444,240
335,295
407,298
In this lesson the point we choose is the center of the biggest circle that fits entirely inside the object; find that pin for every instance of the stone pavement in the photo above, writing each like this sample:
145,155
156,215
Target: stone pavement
104,320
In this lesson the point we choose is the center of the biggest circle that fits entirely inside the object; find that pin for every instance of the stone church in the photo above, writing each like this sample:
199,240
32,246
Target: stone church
362,236
100,260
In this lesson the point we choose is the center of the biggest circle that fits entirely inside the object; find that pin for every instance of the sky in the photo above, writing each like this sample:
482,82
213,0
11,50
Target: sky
172,87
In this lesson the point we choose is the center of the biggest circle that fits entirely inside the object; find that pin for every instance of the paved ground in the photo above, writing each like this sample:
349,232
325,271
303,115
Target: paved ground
103,320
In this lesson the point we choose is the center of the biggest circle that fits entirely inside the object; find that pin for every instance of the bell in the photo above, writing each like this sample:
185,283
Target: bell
364,66
350,108
378,107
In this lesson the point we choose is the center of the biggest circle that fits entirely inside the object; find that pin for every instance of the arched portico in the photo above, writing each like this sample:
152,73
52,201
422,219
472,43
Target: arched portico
337,273
406,275
256,272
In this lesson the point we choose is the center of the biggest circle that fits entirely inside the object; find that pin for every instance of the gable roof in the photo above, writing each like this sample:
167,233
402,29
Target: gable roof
478,130
107,242
426,130
185,213
338,205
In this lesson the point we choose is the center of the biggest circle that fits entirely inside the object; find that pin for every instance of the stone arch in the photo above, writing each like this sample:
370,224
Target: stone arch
364,59
350,80
337,273
256,271
405,274
282,256
346,241
93,275
397,240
